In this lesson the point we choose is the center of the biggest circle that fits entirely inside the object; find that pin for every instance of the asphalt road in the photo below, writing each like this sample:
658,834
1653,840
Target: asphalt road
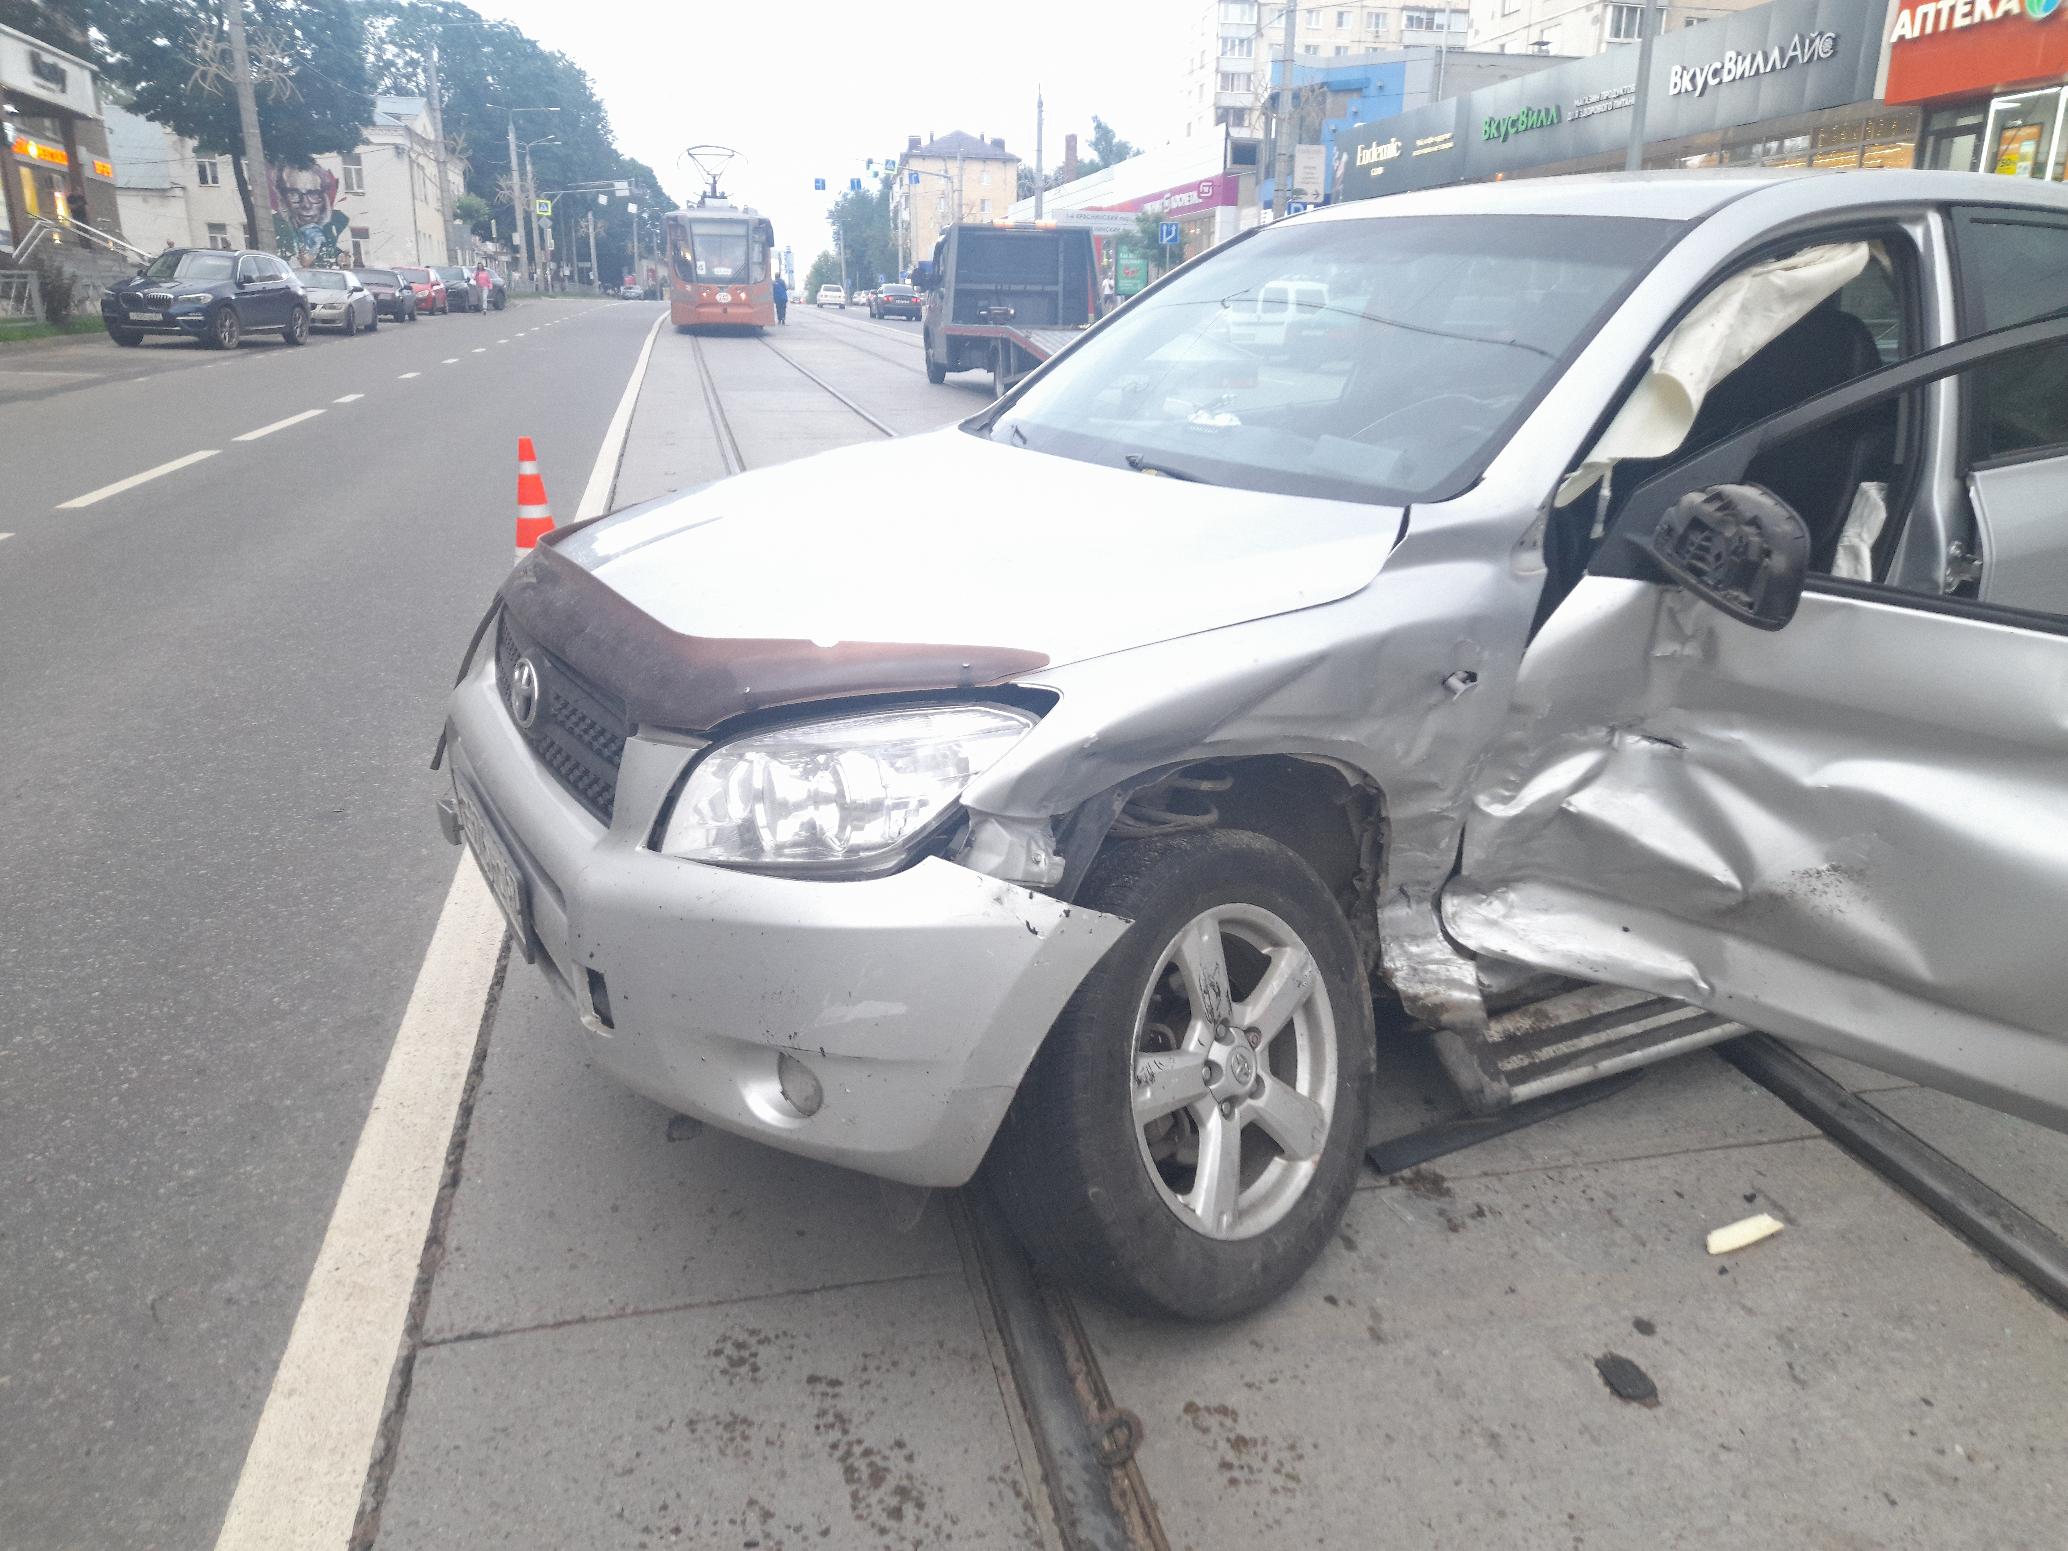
221,692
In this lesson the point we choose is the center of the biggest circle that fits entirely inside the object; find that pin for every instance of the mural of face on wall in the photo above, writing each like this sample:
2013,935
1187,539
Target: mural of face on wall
306,220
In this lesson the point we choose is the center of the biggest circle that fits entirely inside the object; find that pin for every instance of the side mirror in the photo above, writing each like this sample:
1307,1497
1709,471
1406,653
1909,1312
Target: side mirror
925,276
1738,547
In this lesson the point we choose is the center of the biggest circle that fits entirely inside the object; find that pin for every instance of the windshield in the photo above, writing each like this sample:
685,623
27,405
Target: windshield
320,279
903,291
419,276
204,265
713,251
1382,359
385,277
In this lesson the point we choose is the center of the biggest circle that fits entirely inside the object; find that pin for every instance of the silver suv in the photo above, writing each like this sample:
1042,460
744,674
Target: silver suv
1602,613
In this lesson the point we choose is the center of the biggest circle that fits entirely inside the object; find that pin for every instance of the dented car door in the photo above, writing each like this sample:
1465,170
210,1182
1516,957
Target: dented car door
1845,827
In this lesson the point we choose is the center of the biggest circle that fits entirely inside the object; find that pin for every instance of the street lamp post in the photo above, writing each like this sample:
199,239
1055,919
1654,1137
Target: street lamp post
520,206
531,209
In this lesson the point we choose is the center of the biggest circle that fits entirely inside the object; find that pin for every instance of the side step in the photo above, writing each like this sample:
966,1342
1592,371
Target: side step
1542,1040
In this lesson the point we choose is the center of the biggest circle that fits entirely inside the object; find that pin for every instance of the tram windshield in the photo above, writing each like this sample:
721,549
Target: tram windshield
735,251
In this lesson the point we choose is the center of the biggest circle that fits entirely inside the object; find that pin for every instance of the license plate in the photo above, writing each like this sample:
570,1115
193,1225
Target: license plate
505,882
725,296
146,317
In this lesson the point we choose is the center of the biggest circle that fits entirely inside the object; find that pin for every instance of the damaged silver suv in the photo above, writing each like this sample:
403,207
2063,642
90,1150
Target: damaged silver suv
1606,613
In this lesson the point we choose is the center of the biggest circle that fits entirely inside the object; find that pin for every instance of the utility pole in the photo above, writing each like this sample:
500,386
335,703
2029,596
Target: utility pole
517,186
255,178
840,242
438,133
1281,183
1038,179
1633,155
595,274
544,280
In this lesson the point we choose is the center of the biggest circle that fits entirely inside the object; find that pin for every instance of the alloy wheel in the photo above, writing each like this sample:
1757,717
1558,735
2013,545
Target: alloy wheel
1234,1071
227,330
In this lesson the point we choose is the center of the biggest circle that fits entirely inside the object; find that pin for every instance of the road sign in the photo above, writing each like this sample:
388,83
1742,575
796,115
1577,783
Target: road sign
855,184
915,180
819,184
1167,232
542,207
1297,207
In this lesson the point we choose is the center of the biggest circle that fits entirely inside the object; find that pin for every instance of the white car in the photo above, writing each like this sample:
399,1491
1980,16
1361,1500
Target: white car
338,300
832,296
629,293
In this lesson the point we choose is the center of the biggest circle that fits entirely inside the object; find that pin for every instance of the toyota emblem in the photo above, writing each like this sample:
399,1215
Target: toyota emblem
524,693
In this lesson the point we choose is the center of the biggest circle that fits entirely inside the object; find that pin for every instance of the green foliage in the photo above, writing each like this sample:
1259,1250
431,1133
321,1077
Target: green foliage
475,211
863,219
1106,147
42,22
825,270
60,292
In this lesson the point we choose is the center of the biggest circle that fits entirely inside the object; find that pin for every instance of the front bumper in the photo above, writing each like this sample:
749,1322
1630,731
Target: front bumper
916,1000
187,320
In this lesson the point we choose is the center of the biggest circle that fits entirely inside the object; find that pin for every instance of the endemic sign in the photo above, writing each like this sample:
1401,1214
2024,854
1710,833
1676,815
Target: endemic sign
1774,62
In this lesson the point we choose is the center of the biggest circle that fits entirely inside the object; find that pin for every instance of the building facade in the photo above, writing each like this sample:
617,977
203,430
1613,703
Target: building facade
1793,83
377,205
54,161
1225,83
1561,27
957,177
1991,79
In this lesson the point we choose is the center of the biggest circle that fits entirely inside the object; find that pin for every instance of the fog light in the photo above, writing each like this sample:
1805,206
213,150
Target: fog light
798,1085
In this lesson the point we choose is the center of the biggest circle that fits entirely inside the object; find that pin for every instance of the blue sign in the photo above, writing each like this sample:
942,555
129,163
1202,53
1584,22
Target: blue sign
1297,207
855,184
915,180
1167,232
819,184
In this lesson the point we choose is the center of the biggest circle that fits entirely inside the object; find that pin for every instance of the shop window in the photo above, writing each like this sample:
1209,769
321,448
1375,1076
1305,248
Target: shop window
2020,138
354,174
218,234
208,172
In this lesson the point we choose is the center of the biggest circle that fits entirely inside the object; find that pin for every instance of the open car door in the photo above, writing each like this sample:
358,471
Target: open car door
1828,808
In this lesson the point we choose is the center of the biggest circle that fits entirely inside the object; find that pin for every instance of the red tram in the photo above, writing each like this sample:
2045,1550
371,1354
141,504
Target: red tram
721,262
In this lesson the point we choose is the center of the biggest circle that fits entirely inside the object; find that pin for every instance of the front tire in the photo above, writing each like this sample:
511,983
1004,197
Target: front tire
223,331
1189,1134
126,337
351,323
936,372
297,330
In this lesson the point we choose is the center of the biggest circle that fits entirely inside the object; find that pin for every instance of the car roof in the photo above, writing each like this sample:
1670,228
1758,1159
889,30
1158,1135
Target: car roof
1696,194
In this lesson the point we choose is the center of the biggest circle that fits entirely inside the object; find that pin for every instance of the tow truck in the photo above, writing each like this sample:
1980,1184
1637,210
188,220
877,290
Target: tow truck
1004,296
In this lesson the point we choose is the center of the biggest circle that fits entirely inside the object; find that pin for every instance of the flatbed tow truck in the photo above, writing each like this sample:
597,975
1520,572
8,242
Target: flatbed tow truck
1004,296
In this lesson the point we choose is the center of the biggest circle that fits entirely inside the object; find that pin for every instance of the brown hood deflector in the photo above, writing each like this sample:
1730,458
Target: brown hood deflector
692,683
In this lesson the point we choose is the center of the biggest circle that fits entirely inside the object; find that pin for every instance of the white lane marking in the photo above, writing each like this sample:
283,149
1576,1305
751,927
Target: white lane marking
502,341
596,494
407,375
277,425
348,398
6,535
451,360
481,350
134,480
307,1462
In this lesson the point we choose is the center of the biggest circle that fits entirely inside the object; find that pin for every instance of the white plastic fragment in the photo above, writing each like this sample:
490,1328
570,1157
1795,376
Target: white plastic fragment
1739,1234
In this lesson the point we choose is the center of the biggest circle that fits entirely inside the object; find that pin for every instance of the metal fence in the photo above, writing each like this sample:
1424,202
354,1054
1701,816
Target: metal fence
21,294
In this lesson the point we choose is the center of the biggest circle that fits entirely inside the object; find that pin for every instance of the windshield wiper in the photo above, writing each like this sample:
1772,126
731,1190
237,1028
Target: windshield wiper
1142,465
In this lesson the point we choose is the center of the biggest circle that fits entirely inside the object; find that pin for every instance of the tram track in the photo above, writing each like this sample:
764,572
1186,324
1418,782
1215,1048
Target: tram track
1085,1443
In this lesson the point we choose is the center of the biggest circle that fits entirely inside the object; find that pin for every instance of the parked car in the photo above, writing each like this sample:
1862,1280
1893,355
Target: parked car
337,300
896,301
427,286
214,295
629,293
498,292
393,296
1635,614
864,299
462,294
831,296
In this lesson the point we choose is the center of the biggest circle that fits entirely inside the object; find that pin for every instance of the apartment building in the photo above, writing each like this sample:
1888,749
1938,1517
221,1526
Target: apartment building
955,177
376,205
1230,45
1581,29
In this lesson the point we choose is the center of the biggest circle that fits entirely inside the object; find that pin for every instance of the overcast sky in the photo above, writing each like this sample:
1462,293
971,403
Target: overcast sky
810,89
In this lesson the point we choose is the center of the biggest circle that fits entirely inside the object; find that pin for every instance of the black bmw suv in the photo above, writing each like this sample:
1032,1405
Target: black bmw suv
215,295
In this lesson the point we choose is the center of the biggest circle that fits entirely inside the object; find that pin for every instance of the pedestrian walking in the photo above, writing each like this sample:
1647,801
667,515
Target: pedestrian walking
782,300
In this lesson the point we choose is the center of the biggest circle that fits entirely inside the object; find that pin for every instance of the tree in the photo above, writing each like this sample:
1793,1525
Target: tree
868,235
1107,148
825,270
474,211
309,59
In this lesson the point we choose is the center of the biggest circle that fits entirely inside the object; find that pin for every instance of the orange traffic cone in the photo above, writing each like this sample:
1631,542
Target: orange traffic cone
534,516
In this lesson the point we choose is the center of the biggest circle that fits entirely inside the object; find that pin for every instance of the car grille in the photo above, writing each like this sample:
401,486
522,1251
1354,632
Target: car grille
578,733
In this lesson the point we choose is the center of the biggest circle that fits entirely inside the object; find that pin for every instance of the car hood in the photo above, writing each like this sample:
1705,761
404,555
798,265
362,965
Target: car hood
936,561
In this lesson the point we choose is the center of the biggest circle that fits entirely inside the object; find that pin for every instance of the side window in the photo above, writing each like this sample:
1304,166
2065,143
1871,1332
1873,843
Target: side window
2014,268
280,269
247,268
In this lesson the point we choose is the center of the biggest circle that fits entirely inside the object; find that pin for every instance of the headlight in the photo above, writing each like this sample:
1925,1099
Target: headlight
847,791
196,296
